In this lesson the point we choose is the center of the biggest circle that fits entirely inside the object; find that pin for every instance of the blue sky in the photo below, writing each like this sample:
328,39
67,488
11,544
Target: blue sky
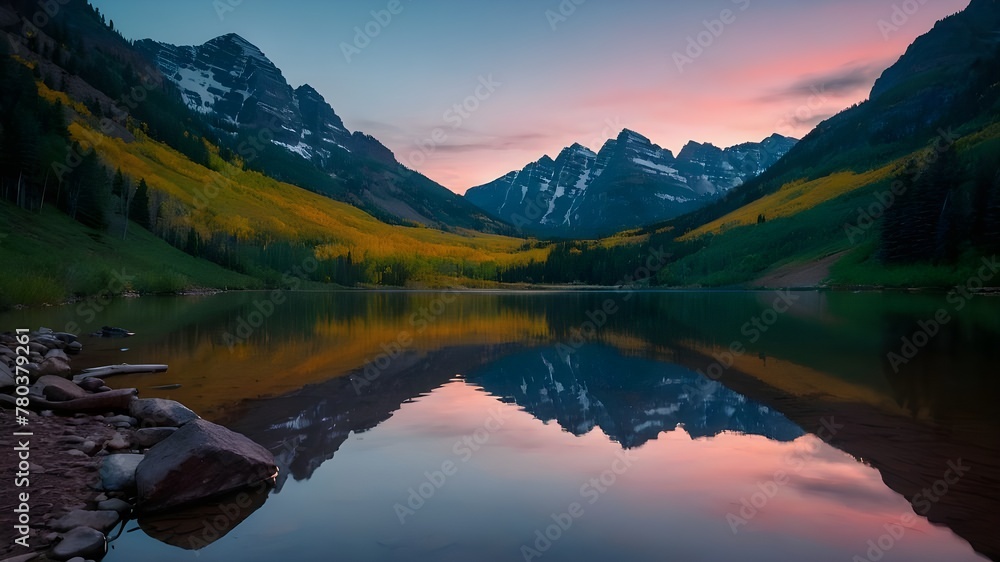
563,72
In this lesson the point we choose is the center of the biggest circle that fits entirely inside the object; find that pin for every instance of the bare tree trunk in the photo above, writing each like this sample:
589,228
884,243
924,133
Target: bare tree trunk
45,187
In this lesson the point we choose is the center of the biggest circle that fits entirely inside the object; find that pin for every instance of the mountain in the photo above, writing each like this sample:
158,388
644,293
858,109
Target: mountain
630,183
930,132
233,84
580,394
900,190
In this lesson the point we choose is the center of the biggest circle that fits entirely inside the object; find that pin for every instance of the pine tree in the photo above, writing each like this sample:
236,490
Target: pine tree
139,208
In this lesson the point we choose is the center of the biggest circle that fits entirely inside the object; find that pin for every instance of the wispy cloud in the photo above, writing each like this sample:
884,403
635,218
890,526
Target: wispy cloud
839,82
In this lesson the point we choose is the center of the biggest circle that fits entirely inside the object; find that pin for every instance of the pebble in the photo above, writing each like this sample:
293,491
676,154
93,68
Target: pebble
117,443
121,419
120,507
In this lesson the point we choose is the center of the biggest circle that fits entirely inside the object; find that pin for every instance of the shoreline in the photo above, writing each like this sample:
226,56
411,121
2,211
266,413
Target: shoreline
77,451
524,289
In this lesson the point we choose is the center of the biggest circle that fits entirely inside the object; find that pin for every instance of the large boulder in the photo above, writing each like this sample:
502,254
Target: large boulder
199,461
156,412
118,472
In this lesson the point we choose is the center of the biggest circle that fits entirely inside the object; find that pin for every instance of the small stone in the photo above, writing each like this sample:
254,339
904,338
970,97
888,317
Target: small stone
117,443
57,353
64,337
74,348
54,366
102,521
82,541
47,413
103,389
89,447
121,507
156,412
101,497
76,453
121,419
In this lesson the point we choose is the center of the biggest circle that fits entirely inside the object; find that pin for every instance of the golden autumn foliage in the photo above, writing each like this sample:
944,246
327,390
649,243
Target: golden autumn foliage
250,206
796,197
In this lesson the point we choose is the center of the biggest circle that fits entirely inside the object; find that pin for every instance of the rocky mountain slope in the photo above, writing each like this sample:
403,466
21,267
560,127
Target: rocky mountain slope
630,183
233,84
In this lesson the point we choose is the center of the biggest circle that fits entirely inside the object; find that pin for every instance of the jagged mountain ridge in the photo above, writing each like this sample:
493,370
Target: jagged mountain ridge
630,183
229,78
233,84
579,393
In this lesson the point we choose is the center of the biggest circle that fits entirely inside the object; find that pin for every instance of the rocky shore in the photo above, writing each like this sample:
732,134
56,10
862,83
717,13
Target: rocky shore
85,459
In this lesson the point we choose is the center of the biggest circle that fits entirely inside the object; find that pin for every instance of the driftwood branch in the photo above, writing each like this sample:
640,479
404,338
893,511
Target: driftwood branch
112,370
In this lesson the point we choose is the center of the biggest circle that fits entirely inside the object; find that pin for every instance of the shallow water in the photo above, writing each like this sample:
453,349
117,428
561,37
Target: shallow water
576,426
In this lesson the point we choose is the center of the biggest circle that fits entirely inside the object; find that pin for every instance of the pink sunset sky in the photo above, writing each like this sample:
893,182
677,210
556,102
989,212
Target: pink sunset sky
564,71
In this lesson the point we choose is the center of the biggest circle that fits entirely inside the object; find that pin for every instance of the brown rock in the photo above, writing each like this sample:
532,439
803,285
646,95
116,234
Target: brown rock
199,461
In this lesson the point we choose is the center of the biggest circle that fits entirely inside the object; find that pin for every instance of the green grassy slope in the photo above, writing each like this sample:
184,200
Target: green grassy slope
49,258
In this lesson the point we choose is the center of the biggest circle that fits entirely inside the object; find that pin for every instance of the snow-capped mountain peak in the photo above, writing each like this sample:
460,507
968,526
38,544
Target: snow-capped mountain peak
631,182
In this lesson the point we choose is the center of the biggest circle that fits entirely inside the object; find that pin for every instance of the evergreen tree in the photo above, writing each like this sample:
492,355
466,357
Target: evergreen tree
91,192
118,184
139,209
920,224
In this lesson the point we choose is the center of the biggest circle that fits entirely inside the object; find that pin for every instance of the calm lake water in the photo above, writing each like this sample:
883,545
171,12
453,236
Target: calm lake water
694,426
